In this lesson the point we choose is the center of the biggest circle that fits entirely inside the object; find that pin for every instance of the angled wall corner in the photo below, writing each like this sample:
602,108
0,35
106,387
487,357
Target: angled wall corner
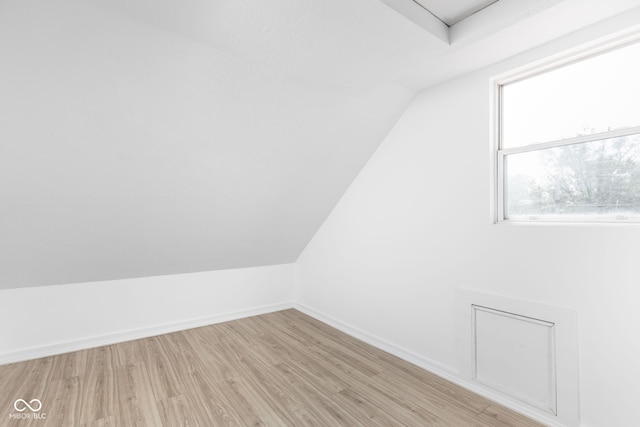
496,17
478,24
421,17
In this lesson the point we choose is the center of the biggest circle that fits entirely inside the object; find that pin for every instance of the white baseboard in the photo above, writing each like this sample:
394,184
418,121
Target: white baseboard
377,342
91,342
427,364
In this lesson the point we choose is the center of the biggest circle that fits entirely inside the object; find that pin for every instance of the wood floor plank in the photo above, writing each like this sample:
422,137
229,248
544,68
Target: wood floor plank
322,412
160,369
206,394
278,369
33,384
102,422
322,333
500,416
128,353
363,411
177,411
385,395
99,399
436,410
342,356
10,377
319,375
275,389
65,366
62,402
255,404
136,402
445,391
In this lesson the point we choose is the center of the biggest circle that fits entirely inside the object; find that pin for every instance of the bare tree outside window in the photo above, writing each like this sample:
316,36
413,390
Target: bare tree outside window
594,179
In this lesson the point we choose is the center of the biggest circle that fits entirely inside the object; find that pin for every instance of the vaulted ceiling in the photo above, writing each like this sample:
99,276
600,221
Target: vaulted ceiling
148,137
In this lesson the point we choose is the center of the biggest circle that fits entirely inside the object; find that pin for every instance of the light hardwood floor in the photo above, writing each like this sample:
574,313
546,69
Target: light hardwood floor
278,369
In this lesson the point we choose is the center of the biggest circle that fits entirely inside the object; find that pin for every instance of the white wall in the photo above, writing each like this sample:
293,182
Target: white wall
415,226
39,321
128,149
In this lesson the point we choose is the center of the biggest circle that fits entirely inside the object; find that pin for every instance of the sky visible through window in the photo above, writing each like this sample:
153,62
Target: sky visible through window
591,96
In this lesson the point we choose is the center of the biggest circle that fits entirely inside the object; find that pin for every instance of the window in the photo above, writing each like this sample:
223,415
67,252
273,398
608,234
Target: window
569,141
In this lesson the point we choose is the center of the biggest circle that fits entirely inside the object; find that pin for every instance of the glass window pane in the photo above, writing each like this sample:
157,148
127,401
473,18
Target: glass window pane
591,96
598,179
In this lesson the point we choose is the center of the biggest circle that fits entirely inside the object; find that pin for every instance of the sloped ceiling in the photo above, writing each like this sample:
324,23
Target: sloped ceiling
144,137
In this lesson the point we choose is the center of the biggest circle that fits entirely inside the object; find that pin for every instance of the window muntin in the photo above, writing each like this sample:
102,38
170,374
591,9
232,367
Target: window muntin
569,147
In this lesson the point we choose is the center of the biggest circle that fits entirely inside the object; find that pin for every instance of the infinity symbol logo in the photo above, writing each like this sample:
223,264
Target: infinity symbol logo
37,407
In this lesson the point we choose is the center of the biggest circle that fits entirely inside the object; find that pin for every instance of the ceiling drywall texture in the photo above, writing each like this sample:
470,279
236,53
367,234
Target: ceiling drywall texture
142,137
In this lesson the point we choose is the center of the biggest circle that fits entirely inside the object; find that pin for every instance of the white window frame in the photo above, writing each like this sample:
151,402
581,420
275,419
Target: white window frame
500,153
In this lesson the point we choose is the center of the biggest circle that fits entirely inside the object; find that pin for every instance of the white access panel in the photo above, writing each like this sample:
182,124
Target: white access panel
515,355
520,353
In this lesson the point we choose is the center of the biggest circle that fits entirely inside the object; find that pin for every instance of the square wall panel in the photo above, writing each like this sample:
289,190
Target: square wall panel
515,355
520,353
